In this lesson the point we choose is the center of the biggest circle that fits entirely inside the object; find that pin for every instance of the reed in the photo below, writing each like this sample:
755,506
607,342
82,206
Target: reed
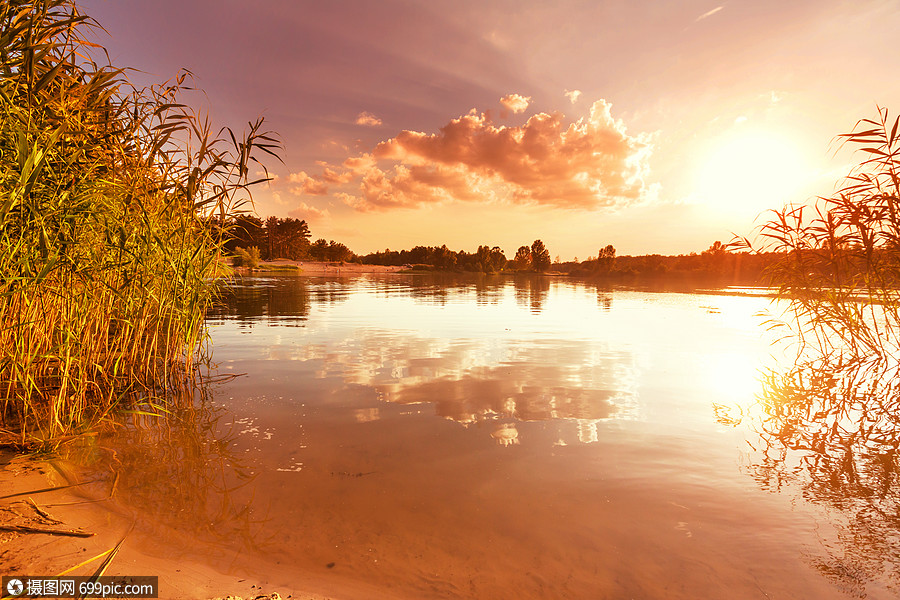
110,201
840,257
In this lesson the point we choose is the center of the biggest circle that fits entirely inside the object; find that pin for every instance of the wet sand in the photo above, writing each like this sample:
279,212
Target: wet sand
88,509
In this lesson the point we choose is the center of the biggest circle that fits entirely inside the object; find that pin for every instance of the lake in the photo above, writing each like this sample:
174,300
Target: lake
438,436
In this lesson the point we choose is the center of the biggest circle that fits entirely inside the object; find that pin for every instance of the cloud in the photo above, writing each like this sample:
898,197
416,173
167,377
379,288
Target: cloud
589,164
307,185
309,213
367,119
709,13
573,95
411,185
272,178
515,102
331,176
359,164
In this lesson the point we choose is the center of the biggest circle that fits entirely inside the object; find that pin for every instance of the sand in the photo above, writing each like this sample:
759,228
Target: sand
328,268
85,509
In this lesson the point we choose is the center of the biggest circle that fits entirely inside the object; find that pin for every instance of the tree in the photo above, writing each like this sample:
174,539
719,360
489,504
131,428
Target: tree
271,234
444,258
338,252
319,249
523,258
540,256
293,238
496,259
606,258
483,259
245,231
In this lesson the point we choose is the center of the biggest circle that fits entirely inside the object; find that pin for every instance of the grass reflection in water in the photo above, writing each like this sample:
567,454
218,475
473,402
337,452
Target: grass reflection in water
160,468
832,430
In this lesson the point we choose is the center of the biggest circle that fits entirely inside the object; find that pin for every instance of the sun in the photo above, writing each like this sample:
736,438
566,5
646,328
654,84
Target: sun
747,172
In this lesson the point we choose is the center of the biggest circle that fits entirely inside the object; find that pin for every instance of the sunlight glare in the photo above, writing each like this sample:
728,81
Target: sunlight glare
750,172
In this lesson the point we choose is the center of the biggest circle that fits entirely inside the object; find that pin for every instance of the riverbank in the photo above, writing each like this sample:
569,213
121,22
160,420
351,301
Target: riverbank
309,267
86,521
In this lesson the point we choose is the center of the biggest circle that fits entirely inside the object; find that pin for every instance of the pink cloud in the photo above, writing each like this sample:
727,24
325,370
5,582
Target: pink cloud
332,176
589,164
573,95
359,164
307,185
405,186
515,102
367,119
309,213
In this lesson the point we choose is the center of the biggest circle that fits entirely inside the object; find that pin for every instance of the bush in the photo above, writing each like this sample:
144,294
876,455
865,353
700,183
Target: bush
246,257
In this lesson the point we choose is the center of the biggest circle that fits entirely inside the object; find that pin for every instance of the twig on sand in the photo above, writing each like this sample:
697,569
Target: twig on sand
43,513
41,491
46,530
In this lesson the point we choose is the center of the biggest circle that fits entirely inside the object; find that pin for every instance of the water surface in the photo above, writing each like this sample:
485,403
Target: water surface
442,437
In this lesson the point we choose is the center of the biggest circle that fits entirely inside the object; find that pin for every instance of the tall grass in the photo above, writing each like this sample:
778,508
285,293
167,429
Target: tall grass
830,423
840,265
109,249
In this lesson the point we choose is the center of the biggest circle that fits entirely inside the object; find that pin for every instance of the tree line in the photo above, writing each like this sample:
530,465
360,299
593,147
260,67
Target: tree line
282,238
718,263
289,238
486,259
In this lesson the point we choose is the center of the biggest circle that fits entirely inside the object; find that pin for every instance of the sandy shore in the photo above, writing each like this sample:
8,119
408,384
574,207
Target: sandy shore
25,502
308,267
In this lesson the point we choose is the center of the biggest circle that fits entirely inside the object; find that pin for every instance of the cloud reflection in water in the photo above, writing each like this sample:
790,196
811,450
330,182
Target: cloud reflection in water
478,381
409,349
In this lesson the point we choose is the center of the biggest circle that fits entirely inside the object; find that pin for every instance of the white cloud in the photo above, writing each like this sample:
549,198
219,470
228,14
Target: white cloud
709,13
573,95
515,102
307,185
309,213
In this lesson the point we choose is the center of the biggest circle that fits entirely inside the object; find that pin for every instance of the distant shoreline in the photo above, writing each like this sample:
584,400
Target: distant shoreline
312,267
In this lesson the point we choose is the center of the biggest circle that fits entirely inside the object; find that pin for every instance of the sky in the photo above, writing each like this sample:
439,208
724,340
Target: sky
652,125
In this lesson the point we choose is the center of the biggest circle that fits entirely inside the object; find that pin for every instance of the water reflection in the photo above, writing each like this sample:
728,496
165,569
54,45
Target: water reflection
287,299
470,382
574,450
531,291
290,297
604,298
511,391
158,469
506,434
833,431
507,372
